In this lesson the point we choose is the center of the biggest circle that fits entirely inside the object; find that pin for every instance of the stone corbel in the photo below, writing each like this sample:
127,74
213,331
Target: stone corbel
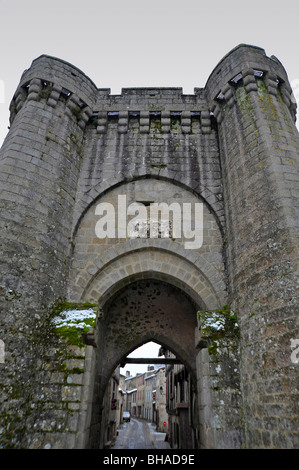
89,338
249,80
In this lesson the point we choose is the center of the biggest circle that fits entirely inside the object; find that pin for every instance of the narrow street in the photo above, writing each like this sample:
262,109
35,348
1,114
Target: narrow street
139,434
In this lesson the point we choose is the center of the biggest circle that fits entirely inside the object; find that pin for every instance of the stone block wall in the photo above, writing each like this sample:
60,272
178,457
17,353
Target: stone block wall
251,98
43,404
221,420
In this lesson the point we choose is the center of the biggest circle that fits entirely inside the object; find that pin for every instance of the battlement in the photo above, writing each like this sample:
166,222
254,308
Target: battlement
147,92
52,80
99,106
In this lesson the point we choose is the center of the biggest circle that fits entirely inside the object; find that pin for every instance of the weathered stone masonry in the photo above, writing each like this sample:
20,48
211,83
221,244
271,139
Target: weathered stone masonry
233,146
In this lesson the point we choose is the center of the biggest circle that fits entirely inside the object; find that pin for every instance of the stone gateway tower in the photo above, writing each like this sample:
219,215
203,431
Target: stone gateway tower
75,157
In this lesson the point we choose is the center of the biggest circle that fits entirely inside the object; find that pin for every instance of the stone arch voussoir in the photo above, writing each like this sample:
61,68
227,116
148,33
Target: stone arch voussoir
89,197
200,281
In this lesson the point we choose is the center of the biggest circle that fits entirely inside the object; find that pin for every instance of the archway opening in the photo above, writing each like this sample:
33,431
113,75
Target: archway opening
149,402
151,310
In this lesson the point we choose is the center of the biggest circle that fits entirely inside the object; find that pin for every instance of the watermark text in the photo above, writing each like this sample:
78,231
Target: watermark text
158,220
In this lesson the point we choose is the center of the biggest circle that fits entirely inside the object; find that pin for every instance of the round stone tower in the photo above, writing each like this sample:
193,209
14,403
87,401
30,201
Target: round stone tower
40,162
251,98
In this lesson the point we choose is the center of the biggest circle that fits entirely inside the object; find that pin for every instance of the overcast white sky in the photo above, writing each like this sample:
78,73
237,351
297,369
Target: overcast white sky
147,350
129,43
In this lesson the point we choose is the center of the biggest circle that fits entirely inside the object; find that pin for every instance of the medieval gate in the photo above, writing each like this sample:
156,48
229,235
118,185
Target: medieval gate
80,171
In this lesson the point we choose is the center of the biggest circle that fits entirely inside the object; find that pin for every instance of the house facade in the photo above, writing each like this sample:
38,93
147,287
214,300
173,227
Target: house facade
178,405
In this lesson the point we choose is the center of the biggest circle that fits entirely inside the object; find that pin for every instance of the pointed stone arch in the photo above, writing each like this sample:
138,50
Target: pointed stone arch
147,309
156,264
103,271
99,264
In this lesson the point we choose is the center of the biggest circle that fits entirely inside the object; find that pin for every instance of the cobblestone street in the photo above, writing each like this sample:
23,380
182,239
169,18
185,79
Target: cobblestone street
140,434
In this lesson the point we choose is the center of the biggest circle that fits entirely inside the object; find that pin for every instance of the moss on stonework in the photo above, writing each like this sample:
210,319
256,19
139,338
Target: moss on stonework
156,127
159,165
213,348
261,87
218,324
71,320
67,371
77,112
245,104
45,93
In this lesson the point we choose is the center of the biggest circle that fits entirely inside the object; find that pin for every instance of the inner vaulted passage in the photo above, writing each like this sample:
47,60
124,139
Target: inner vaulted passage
145,310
